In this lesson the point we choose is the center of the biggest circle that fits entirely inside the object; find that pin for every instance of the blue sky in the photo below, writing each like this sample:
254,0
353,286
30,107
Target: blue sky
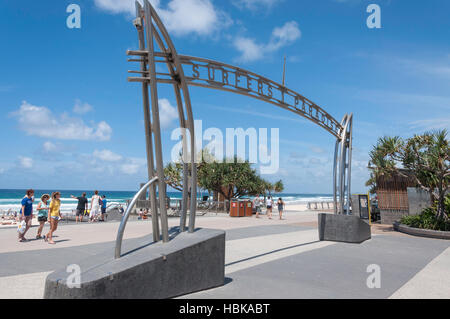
70,119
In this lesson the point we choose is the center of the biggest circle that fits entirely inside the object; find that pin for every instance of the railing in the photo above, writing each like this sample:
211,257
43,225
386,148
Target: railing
321,205
124,221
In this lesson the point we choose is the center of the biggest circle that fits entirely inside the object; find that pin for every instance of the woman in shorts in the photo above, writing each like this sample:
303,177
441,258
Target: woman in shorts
269,204
42,214
280,205
54,215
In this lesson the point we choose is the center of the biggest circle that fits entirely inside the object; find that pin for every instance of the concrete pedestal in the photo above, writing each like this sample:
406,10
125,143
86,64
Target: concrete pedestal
343,228
188,263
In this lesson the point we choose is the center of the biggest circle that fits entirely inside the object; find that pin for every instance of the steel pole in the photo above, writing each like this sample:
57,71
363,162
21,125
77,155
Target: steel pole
156,123
349,161
182,119
184,158
190,117
335,165
342,166
148,134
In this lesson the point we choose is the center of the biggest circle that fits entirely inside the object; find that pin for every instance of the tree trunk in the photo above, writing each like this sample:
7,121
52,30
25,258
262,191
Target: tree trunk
441,205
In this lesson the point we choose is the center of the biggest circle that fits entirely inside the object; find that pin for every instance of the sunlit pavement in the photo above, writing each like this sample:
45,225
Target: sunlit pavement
264,259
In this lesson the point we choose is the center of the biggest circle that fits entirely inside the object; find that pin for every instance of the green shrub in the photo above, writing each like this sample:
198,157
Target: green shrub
447,204
426,220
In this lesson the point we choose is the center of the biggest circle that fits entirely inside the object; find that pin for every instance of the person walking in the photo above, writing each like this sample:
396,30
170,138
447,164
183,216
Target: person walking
54,215
95,207
280,205
26,213
42,214
104,202
269,204
81,207
257,204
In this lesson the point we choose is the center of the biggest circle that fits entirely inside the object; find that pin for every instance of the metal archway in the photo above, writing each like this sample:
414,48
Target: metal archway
216,75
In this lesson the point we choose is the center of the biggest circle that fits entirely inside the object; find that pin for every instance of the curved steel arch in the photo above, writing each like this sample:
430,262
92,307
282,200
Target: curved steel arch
221,76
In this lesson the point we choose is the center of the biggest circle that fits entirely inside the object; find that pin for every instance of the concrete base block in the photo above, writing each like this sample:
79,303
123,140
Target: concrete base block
343,228
188,263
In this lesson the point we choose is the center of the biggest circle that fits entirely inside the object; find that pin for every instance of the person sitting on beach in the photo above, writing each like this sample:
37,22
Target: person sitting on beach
95,207
81,207
54,215
280,205
42,214
141,214
26,213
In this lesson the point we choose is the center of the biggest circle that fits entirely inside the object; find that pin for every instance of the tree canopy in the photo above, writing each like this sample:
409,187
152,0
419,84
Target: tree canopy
426,157
232,178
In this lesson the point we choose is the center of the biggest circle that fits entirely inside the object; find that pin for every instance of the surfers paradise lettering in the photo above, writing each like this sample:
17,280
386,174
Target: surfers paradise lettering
240,81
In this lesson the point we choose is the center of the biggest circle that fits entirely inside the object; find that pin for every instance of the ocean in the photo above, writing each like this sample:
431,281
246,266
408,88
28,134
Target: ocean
10,199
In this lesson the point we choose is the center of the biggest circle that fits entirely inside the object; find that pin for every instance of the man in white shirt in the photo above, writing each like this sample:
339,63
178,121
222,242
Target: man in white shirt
257,204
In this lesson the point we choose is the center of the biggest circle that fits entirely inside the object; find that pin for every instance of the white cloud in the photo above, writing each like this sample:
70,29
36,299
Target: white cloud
250,50
317,149
281,37
254,5
40,121
167,113
389,98
25,162
82,108
49,147
118,6
107,156
130,168
180,17
133,166
431,124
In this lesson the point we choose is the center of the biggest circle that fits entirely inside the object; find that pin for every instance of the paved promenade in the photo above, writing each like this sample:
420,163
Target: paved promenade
264,259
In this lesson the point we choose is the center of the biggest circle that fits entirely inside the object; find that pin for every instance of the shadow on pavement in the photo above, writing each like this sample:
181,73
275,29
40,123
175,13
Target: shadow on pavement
271,252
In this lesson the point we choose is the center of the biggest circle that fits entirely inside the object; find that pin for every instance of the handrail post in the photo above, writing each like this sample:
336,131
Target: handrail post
125,217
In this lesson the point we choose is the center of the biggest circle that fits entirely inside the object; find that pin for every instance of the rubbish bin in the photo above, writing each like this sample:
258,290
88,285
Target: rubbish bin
248,208
234,208
242,208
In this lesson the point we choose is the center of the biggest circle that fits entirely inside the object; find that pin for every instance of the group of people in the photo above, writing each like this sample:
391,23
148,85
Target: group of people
49,210
143,214
97,211
258,202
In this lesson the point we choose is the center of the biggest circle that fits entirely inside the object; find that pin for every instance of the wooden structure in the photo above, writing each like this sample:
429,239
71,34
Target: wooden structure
392,193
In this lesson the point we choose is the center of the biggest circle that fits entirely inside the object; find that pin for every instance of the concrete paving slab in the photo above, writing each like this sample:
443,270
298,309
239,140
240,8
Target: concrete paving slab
432,282
336,271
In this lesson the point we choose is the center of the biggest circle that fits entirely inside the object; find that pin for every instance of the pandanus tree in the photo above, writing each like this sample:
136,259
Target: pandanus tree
233,178
426,157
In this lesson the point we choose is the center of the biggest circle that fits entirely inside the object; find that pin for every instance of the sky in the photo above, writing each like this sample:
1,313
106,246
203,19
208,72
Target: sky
70,119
